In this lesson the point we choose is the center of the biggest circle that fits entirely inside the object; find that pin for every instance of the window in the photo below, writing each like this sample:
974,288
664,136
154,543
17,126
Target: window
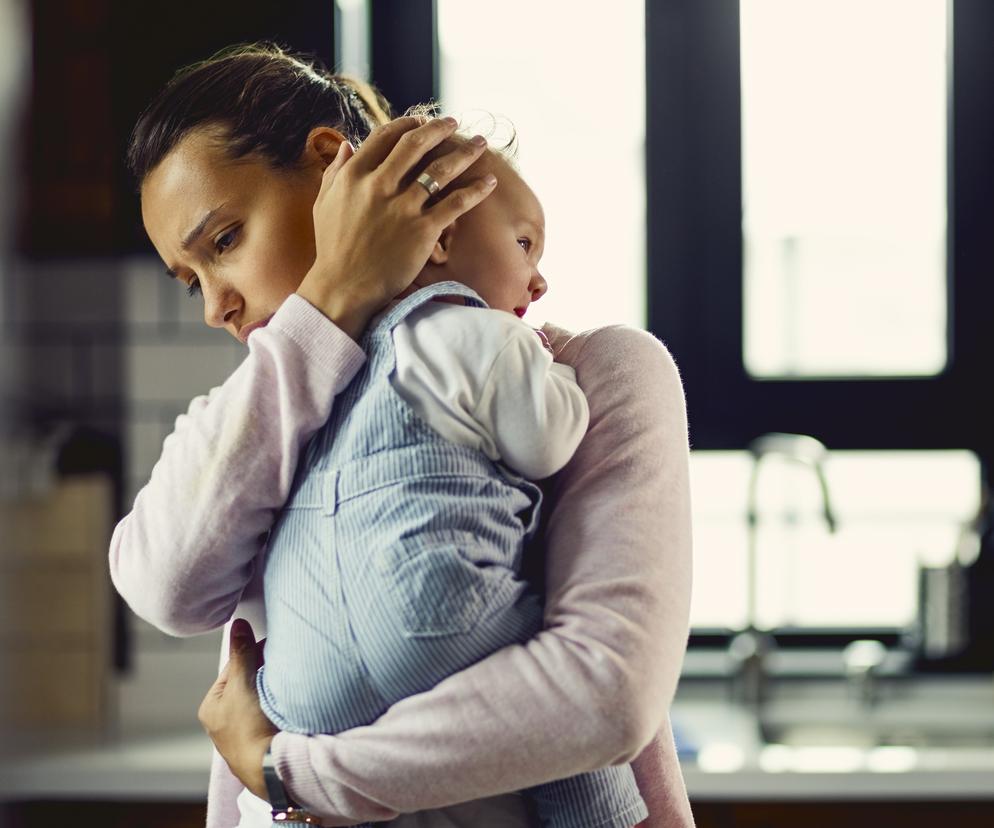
894,511
844,187
906,373
577,102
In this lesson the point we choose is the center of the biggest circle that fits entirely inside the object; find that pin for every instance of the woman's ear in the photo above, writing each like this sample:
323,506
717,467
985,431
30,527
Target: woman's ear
442,249
322,145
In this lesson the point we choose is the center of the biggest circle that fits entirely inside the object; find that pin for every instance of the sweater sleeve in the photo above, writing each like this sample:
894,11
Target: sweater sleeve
592,688
182,556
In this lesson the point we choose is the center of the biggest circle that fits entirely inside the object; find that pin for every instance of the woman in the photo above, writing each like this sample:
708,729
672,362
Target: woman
314,244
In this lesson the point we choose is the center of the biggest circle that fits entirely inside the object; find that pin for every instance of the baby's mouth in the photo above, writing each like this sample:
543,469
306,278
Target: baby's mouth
520,311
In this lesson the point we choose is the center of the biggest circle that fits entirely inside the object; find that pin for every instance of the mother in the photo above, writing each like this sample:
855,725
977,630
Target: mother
250,196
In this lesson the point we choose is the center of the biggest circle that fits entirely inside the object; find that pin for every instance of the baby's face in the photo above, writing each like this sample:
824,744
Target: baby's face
495,248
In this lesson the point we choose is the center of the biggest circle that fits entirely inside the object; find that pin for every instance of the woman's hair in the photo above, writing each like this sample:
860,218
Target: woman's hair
262,98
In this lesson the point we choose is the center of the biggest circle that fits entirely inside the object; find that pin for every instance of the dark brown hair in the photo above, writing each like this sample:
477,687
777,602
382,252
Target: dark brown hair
263,98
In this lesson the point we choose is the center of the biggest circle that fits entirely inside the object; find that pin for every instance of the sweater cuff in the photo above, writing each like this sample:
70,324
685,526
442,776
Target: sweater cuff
321,340
293,764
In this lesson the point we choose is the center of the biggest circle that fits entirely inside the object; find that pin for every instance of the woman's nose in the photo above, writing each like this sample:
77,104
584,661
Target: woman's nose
220,306
538,287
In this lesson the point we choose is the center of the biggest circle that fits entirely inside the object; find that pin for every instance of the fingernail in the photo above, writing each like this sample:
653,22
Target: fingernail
240,628
448,120
490,180
479,140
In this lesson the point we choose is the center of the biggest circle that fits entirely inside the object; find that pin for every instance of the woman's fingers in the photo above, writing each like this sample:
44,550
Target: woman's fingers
445,169
344,154
460,201
384,139
411,148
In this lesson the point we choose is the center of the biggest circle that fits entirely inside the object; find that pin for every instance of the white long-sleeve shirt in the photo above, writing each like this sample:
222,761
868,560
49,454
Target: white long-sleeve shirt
482,378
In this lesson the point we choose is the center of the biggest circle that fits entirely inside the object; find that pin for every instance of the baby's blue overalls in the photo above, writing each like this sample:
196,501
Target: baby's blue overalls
394,564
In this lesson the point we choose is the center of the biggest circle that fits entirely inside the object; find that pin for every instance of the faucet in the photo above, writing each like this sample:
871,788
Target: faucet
750,649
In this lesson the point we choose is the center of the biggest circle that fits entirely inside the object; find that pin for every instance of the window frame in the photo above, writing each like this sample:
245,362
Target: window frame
695,254
695,259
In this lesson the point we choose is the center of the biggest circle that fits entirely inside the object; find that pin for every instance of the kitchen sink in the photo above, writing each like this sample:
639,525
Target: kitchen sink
867,736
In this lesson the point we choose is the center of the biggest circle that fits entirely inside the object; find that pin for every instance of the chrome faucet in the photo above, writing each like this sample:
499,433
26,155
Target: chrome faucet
751,648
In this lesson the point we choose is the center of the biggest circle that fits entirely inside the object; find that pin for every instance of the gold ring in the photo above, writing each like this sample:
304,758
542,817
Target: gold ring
429,183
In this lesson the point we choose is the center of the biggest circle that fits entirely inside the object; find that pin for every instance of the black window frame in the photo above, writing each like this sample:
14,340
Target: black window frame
695,272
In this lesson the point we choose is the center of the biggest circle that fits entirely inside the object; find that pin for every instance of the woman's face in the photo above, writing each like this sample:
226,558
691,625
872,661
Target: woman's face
239,232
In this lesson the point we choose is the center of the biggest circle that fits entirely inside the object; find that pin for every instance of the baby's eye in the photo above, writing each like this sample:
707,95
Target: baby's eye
526,244
225,240
193,288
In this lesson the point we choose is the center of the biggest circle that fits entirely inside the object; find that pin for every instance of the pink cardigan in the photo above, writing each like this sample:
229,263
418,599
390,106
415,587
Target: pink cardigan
592,689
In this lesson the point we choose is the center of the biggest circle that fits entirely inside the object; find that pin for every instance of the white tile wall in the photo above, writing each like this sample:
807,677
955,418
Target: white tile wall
175,371
171,357
62,322
144,280
167,683
58,295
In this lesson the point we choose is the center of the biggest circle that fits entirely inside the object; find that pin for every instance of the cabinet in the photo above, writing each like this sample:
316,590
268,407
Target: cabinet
105,814
55,607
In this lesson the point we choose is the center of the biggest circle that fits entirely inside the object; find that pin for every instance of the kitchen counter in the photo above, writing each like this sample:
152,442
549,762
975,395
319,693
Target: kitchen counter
729,766
149,767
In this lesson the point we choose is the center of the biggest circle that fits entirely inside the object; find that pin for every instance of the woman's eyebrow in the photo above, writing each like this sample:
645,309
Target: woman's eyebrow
191,238
196,232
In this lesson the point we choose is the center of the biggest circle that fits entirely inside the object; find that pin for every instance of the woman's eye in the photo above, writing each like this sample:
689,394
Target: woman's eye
526,244
225,240
193,288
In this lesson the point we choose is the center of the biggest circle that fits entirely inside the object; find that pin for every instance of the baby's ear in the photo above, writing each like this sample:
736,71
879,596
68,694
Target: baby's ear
440,252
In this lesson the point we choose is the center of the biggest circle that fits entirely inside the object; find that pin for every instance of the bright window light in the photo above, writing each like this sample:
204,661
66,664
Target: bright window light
844,113
895,510
571,79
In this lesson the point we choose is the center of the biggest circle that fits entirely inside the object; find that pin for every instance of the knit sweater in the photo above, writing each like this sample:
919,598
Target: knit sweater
592,689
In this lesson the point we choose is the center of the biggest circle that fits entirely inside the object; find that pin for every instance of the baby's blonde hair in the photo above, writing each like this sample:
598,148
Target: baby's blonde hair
507,150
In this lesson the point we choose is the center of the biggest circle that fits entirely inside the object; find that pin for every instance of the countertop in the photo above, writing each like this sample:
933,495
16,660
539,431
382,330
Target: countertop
728,767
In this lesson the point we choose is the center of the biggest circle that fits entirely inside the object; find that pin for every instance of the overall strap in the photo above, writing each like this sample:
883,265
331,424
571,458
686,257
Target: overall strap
384,327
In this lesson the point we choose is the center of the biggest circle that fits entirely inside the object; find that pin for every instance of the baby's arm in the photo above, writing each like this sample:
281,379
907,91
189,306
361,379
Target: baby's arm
183,555
484,378
532,406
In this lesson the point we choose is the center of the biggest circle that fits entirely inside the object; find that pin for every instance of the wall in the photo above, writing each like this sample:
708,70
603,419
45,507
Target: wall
117,346
170,356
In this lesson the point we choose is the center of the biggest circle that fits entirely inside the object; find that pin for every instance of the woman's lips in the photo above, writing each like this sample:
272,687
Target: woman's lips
243,333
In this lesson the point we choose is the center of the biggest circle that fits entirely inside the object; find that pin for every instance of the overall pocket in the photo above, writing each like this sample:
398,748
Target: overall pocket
436,583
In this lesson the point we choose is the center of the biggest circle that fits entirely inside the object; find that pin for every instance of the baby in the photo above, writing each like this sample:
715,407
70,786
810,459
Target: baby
395,562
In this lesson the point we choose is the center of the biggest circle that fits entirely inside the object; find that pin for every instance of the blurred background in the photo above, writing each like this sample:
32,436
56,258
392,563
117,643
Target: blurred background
796,196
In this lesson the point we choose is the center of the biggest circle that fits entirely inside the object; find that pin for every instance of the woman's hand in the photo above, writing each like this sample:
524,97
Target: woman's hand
373,227
231,715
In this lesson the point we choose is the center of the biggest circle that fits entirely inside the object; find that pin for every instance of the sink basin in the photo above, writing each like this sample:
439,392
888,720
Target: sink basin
872,735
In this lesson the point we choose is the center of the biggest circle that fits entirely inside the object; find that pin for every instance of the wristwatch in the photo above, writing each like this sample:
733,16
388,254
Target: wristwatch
284,808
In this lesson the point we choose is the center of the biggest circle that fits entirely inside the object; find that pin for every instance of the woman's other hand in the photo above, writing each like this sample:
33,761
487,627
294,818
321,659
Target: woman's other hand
374,229
231,715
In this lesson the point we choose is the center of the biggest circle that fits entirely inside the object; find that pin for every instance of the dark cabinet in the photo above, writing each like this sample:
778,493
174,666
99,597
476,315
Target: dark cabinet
95,65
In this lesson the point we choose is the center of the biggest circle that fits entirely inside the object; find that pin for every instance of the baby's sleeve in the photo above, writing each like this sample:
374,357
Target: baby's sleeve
185,552
531,406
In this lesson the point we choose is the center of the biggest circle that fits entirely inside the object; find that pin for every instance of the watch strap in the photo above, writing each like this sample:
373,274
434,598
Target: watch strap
284,807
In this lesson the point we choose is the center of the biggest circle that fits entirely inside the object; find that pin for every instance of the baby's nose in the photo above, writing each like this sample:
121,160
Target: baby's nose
538,287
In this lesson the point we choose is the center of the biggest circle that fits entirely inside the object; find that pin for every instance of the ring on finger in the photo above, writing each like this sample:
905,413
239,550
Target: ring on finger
429,183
